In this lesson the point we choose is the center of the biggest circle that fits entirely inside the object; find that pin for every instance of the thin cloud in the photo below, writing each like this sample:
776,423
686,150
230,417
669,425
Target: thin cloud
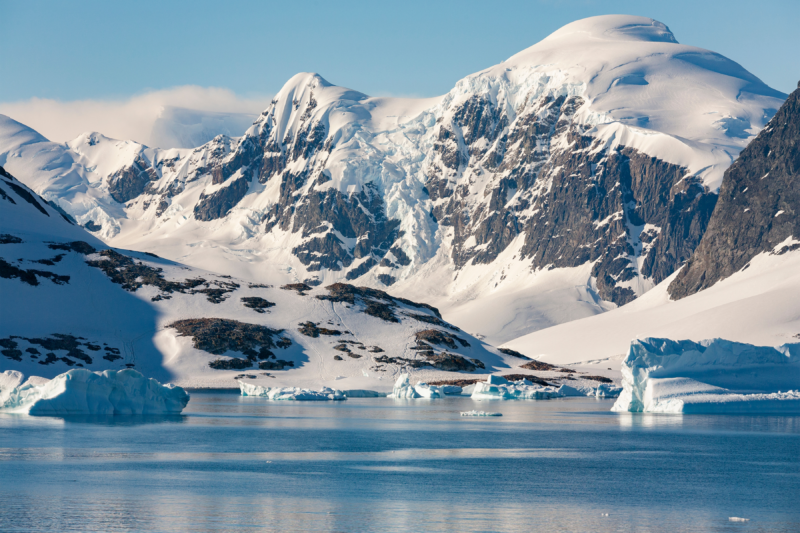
132,118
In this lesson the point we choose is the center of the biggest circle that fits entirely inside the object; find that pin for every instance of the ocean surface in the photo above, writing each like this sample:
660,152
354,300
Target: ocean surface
233,463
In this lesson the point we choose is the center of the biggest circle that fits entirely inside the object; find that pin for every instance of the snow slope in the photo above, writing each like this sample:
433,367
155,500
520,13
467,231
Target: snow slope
455,200
759,305
69,301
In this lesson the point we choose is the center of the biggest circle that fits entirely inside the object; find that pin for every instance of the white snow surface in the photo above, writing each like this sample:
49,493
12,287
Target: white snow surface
290,393
759,305
642,89
711,376
79,391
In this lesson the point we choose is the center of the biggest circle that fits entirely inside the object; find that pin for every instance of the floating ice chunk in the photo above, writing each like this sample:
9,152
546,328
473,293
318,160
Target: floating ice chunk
360,393
479,413
712,376
737,519
80,391
291,393
499,388
607,390
450,389
428,391
403,389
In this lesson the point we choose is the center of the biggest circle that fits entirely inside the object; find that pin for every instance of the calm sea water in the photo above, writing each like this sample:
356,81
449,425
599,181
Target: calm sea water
243,464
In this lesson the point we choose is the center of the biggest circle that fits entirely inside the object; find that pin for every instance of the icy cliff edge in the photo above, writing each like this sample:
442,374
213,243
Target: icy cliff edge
711,376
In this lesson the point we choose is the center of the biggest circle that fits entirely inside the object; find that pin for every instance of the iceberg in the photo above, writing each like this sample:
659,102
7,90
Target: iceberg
711,376
499,388
403,389
291,393
479,413
80,391
604,390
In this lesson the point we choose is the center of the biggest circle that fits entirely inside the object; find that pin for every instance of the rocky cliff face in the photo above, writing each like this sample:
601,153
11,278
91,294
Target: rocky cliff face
758,209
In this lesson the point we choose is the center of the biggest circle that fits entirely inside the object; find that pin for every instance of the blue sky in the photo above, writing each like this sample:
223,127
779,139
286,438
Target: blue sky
100,49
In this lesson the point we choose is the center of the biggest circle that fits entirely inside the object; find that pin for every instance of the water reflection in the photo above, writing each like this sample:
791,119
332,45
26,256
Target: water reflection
245,464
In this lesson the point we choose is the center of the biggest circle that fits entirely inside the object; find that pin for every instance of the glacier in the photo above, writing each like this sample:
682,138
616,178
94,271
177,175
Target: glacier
711,376
80,391
291,393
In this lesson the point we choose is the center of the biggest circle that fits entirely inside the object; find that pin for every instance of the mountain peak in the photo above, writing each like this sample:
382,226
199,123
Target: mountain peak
615,28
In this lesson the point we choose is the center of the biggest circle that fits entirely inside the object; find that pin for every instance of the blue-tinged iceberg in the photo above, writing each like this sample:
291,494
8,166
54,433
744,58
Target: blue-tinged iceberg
403,389
291,393
711,376
499,388
80,391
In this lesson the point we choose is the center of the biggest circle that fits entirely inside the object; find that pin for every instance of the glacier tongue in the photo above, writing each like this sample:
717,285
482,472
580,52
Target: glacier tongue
80,391
712,376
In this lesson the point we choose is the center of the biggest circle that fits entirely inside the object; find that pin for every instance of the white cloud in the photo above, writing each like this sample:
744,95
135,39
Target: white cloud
134,117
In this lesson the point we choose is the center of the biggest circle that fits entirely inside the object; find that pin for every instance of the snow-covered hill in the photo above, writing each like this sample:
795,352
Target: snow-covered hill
563,182
68,300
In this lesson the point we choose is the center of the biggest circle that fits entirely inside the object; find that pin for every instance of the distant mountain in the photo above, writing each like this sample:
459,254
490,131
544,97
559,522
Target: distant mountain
563,182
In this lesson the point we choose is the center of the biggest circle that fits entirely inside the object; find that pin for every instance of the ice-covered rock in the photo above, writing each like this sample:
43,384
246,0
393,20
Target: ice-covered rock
80,391
479,413
711,376
291,393
499,388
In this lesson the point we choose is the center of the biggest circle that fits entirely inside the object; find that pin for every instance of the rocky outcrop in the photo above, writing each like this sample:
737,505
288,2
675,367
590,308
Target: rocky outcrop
131,181
219,203
758,209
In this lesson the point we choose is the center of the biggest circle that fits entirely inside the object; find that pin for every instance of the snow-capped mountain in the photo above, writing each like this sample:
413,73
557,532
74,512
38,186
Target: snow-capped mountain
68,300
743,281
563,182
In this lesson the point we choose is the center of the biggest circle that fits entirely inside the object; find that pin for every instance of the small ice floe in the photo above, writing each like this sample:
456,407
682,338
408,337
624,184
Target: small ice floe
603,514
479,413
291,393
737,519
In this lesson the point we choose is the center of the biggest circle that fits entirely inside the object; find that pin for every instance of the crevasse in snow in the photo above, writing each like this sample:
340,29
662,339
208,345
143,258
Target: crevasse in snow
80,391
711,376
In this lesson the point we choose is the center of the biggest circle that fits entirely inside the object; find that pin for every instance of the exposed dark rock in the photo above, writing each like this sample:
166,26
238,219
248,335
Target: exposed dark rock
278,364
428,319
219,203
257,304
342,348
57,341
31,276
91,226
435,336
50,262
758,208
130,182
132,275
301,288
28,196
601,379
386,279
6,238
234,363
218,336
541,366
450,362
376,303
509,351
353,355
310,329
532,379
376,349
337,358
80,247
